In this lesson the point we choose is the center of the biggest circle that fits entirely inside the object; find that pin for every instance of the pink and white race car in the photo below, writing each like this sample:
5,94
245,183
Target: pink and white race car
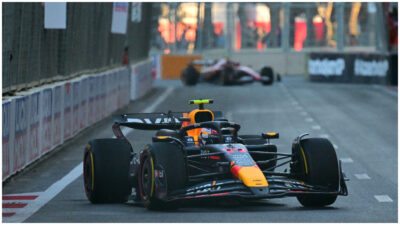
225,72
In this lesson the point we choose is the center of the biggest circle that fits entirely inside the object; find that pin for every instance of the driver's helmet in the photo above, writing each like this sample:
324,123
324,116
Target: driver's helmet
208,136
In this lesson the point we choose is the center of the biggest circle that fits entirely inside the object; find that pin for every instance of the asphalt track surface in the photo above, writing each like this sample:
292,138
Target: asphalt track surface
360,120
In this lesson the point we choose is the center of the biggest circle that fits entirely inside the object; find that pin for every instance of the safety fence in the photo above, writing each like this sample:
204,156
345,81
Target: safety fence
33,55
38,120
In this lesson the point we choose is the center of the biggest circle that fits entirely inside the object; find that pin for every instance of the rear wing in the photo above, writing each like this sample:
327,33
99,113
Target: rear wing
155,121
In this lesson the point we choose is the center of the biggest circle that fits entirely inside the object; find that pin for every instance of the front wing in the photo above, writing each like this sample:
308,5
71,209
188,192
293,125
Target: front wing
278,187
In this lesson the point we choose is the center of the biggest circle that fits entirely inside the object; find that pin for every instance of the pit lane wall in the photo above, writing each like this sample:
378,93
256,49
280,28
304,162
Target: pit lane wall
37,121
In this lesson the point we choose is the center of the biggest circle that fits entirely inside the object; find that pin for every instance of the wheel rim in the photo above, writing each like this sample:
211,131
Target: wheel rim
146,179
87,173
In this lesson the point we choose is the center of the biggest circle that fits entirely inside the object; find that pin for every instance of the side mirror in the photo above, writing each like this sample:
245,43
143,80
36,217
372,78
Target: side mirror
270,135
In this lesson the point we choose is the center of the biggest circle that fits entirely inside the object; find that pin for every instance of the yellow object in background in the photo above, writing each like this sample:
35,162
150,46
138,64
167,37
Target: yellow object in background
172,65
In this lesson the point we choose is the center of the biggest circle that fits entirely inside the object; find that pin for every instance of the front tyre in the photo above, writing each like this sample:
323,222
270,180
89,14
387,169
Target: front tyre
106,170
317,164
190,76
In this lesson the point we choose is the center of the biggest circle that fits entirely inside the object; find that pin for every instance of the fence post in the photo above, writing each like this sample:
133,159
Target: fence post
340,25
286,26
229,27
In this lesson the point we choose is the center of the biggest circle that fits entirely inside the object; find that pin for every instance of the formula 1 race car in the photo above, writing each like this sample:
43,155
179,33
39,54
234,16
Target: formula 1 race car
225,72
200,155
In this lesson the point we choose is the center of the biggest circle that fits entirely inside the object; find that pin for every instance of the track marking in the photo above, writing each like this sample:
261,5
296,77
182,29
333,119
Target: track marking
316,127
324,136
61,184
346,160
309,119
19,197
303,113
383,198
362,176
14,205
8,214
163,96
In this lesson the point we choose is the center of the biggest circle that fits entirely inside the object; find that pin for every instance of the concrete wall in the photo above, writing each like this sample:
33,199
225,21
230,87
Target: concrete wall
37,121
292,63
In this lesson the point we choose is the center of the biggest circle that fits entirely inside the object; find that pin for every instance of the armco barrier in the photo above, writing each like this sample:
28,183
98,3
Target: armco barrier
58,102
97,113
156,65
47,119
349,67
102,109
34,126
67,122
38,120
92,100
141,79
76,103
83,113
19,154
8,109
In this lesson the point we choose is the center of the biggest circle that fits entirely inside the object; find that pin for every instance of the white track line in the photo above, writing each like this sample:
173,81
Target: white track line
61,184
166,93
383,198
316,127
324,136
346,160
362,176
309,119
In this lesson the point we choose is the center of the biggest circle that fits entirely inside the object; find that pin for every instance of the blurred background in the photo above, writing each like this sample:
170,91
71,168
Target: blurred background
284,34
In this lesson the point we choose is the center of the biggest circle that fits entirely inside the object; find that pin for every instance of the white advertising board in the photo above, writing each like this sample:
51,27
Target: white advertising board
136,13
58,103
34,126
47,119
92,100
55,15
67,122
21,133
8,112
119,17
76,101
103,92
83,116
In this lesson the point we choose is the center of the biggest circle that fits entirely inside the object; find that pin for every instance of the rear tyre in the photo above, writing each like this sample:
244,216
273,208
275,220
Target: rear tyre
106,170
190,76
169,156
267,72
317,165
